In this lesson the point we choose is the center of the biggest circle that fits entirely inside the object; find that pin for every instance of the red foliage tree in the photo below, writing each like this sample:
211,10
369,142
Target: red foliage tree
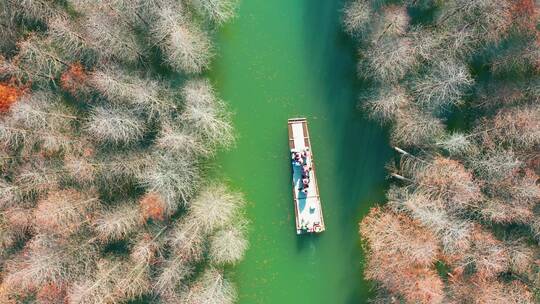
401,255
525,14
447,179
19,219
73,80
517,128
9,94
475,290
6,295
51,294
152,207
486,258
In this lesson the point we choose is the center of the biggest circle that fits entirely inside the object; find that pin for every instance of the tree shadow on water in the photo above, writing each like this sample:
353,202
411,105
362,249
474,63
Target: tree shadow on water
358,147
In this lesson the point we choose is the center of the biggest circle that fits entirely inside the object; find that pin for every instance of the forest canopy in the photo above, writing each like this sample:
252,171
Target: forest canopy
106,127
457,84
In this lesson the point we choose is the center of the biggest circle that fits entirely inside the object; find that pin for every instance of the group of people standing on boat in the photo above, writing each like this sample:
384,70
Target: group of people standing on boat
299,158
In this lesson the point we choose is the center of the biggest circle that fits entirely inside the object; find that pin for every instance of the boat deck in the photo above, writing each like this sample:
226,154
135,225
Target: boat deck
307,206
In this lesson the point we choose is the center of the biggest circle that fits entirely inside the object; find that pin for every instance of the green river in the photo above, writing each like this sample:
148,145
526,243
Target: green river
280,59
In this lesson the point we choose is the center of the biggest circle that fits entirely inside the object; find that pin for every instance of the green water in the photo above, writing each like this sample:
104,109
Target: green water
282,59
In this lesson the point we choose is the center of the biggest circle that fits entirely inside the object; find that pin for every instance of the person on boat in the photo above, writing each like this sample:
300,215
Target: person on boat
305,169
297,158
305,186
305,181
305,153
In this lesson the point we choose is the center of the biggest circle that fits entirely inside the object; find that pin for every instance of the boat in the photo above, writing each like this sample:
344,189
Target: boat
307,206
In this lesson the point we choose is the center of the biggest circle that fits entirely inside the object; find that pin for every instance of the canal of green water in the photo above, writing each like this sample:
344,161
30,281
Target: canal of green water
280,59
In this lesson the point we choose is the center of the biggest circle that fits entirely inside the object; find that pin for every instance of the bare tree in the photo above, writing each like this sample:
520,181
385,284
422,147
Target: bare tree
115,171
40,266
495,164
388,102
393,22
173,177
10,31
521,255
187,48
388,59
383,296
30,182
178,139
110,284
512,292
356,16
118,222
219,11
41,111
136,281
534,227
205,115
173,272
452,232
11,193
118,279
38,61
449,181
460,187
503,212
513,199
187,240
487,256
516,127
144,95
109,34
414,127
215,207
146,247
47,259
431,44
211,288
134,12
15,222
458,145
69,37
227,246
443,86
40,119
519,57
51,141
35,9
86,132
115,125
487,19
65,211
79,170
